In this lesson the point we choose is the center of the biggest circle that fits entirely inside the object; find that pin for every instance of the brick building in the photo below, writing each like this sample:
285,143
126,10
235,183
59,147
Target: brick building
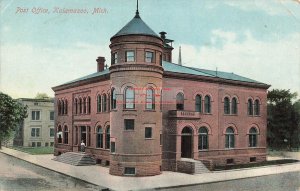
143,114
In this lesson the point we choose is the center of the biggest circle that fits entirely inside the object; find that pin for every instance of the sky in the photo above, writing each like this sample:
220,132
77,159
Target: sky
41,48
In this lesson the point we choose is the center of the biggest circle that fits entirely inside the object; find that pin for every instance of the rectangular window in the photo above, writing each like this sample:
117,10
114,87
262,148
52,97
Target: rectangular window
33,144
35,132
38,144
51,132
51,144
149,57
112,147
114,58
129,124
129,171
160,139
46,144
252,159
130,57
229,161
35,115
51,115
148,132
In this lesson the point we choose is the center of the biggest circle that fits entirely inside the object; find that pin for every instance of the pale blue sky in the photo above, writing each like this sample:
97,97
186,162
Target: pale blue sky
259,39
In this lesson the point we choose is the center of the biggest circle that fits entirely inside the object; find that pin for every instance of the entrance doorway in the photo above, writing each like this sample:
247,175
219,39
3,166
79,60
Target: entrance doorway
186,142
83,134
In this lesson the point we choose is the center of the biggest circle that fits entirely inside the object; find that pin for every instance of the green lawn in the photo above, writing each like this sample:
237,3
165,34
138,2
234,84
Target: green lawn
35,150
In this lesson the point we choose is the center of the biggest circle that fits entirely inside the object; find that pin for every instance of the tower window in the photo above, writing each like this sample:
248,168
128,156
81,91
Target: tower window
180,101
114,58
148,132
130,56
129,171
129,124
149,57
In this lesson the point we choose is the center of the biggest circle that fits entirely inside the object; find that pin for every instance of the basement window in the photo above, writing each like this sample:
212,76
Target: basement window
129,171
229,161
252,159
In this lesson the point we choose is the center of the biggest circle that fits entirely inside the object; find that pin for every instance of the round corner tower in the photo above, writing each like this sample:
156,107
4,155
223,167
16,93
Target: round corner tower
136,118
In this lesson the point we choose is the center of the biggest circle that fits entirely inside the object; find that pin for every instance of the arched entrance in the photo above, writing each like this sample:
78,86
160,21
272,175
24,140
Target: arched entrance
186,142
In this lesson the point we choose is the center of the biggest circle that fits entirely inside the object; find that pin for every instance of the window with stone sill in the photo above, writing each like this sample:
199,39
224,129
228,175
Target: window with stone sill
129,56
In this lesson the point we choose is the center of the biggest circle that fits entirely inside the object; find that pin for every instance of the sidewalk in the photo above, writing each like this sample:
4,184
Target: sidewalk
99,175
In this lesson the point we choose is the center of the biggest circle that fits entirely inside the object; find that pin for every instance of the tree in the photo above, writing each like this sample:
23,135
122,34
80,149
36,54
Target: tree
12,114
283,119
41,96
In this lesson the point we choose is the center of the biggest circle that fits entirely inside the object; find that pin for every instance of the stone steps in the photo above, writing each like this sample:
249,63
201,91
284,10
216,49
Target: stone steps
198,166
76,159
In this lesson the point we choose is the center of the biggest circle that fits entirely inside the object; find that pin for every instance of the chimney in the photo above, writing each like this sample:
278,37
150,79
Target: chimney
167,51
100,64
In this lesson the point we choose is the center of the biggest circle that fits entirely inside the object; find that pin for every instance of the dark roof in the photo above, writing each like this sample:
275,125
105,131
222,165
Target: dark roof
175,68
136,27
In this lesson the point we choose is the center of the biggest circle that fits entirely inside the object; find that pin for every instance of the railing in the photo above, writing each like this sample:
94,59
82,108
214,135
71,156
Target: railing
184,114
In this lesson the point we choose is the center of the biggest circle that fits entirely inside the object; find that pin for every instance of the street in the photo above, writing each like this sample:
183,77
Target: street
17,175
278,182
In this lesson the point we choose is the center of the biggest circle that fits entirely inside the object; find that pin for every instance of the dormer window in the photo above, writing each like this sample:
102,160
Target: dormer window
130,56
149,57
114,58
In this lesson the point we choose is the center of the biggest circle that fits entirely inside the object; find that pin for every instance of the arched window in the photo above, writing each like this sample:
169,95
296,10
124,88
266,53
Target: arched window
226,105
150,103
107,137
76,106
80,105
252,137
180,101
129,98
108,102
84,105
99,137
66,106
59,134
62,107
89,105
207,104
234,106
113,99
161,99
59,107
202,138
198,103
229,138
66,135
104,103
250,107
256,107
99,103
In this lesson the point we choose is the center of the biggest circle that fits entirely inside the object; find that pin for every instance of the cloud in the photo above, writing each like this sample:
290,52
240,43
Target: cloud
274,62
27,69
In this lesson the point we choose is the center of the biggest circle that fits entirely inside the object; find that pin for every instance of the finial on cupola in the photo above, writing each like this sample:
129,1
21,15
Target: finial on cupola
137,14
179,57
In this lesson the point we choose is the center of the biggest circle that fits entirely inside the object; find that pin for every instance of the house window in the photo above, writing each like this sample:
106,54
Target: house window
226,105
130,57
38,144
51,144
66,133
66,107
84,105
89,136
250,107
129,98
46,144
129,124
229,138
51,115
207,103
234,106
252,159
35,115
149,57
150,104
32,144
114,58
76,106
76,135
104,102
113,147
160,139
148,132
203,138
180,101
62,107
99,137
229,161
59,107
107,138
113,99
253,137
256,107
89,105
129,171
80,105
51,132
35,132
198,103
99,103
